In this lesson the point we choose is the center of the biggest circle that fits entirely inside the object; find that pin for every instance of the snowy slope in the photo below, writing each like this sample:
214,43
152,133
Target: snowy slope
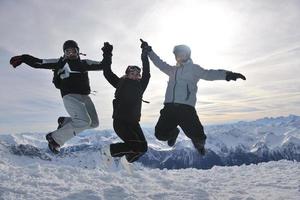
38,180
29,171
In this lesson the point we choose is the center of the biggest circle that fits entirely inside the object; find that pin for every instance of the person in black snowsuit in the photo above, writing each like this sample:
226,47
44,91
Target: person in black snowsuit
71,77
127,109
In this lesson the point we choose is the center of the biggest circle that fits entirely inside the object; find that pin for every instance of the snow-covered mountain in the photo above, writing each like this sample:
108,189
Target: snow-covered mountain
268,139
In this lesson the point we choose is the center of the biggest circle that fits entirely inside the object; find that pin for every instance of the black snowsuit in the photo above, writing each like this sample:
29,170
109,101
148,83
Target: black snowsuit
127,112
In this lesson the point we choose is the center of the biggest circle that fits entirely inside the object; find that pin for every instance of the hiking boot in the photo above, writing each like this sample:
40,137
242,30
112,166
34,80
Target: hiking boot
172,141
53,146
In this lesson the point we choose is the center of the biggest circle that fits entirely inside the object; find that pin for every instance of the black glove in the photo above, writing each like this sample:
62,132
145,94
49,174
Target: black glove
107,49
233,76
145,46
16,61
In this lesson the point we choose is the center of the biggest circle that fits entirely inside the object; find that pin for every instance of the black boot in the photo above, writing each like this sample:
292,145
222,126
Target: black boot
60,122
172,141
53,146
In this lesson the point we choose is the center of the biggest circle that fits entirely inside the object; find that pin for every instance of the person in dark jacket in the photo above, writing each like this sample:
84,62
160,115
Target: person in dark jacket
71,77
180,98
127,109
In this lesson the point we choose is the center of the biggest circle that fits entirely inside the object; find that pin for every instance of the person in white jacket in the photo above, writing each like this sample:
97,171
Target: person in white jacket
180,97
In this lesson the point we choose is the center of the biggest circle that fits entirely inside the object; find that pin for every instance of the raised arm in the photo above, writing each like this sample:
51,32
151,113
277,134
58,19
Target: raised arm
111,77
33,62
91,65
159,63
163,66
146,71
146,66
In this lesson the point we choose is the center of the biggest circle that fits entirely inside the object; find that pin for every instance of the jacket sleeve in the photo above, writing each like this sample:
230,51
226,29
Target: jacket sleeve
111,77
91,65
163,66
211,74
39,63
146,72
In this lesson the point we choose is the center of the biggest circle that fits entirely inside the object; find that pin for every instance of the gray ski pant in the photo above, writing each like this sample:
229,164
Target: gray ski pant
83,116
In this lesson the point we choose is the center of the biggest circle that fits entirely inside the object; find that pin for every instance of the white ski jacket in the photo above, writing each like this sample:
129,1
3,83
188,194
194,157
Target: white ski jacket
182,85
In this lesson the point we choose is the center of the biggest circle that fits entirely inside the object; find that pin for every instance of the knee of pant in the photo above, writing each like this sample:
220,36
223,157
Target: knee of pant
95,124
83,123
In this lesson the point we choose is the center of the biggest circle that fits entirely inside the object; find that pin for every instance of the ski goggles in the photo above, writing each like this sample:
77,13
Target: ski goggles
71,52
133,68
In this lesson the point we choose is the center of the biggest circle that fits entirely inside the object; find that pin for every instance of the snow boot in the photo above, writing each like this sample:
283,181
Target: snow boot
53,146
172,141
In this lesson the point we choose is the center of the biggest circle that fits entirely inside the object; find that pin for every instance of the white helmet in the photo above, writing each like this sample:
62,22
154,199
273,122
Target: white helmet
182,48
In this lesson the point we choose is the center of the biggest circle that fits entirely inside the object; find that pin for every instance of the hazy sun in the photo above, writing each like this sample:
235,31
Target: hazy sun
205,27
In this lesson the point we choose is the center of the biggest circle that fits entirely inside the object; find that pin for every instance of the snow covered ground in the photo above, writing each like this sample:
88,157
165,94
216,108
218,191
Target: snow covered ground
36,180
29,171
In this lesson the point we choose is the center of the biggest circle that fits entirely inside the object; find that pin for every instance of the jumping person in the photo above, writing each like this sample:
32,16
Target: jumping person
180,97
71,77
127,109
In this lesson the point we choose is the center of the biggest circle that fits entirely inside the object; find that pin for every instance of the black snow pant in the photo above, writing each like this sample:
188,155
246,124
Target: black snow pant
174,114
134,145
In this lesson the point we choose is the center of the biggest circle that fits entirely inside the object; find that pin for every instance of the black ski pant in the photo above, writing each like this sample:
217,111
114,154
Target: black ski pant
134,145
174,114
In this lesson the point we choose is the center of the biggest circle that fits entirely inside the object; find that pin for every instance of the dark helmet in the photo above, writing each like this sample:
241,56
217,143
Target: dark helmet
70,44
182,48
132,68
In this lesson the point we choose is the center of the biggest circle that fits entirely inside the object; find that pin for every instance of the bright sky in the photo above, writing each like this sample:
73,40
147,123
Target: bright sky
260,39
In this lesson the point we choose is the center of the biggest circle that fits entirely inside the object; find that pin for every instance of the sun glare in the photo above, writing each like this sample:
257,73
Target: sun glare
206,28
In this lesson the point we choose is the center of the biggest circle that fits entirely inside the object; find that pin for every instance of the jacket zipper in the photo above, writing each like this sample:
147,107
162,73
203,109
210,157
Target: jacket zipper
174,85
188,93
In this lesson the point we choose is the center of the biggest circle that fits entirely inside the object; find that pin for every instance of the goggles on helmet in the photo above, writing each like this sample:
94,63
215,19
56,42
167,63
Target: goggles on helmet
132,68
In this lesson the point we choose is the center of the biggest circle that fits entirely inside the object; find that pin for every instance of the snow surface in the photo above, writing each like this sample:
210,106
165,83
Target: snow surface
29,171
38,180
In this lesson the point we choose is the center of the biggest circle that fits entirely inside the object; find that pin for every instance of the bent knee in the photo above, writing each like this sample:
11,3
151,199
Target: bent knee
95,124
82,123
